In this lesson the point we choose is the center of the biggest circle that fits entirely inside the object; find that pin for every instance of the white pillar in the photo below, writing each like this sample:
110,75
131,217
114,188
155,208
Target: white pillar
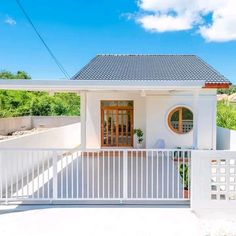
195,118
83,109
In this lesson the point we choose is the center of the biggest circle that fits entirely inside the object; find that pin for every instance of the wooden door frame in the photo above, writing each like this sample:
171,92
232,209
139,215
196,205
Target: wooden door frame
102,108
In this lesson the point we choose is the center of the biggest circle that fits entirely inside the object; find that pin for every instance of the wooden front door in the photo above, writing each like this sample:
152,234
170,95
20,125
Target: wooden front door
117,123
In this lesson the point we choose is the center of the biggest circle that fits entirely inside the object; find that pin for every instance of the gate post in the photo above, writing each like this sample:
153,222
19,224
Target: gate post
54,165
125,175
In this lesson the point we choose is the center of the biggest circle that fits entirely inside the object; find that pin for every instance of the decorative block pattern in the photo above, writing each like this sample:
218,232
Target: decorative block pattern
223,179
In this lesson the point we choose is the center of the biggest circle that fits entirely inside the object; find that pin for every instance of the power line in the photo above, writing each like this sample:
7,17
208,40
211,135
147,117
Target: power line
60,66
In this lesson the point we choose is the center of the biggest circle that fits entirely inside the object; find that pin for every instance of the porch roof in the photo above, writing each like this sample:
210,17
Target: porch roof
99,85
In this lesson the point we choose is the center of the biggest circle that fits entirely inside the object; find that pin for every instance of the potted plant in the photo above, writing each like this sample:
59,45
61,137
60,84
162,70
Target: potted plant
139,134
183,171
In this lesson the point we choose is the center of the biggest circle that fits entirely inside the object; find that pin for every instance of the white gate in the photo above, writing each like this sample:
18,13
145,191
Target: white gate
94,176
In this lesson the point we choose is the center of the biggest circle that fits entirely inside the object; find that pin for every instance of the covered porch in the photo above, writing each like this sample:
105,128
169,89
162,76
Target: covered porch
152,103
113,173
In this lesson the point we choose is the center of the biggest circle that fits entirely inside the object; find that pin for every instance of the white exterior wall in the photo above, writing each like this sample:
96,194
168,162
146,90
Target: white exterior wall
62,137
226,139
151,114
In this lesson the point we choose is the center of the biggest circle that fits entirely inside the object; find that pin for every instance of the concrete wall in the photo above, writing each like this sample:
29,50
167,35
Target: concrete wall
53,121
62,137
226,139
12,124
151,113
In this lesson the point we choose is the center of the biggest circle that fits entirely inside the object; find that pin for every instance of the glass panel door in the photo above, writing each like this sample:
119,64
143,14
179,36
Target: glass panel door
117,127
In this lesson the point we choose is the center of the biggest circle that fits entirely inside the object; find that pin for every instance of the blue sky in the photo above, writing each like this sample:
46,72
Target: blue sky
77,30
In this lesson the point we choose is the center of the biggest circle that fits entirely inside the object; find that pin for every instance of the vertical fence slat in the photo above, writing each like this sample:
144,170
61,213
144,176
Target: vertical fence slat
55,187
114,173
173,173
136,178
108,178
87,171
178,174
152,174
72,175
141,190
82,174
157,168
167,173
103,174
162,176
132,173
125,174
93,180
48,176
146,174
77,174
98,175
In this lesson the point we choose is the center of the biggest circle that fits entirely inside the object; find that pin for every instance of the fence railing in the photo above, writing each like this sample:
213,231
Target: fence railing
104,174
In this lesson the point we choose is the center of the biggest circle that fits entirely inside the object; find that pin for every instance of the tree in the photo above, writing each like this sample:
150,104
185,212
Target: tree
18,75
229,91
23,103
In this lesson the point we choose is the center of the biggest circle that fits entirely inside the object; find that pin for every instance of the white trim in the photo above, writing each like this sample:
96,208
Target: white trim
95,85
83,118
195,118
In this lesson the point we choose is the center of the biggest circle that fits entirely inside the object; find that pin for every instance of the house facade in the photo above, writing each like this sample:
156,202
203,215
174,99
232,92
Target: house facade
171,98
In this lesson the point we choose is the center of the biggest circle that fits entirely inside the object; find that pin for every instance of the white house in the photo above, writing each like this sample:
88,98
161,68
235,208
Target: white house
171,98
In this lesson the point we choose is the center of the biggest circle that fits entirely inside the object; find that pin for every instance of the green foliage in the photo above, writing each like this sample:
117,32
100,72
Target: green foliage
183,171
229,91
226,116
18,75
139,134
22,103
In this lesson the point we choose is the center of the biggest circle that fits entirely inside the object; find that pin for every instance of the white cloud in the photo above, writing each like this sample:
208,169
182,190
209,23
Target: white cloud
176,15
10,21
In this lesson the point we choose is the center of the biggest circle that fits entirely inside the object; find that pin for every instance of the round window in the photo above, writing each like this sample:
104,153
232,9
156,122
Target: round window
180,120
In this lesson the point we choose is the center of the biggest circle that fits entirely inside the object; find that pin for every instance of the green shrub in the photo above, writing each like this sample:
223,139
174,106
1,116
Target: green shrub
22,103
226,116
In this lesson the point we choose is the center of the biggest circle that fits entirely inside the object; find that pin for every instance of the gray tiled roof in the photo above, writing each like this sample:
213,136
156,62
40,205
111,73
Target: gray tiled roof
149,67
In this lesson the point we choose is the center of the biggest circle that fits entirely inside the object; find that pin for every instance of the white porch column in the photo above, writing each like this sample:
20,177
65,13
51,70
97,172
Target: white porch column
83,109
195,118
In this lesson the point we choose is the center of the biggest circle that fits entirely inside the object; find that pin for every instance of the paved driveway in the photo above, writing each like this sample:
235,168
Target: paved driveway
98,220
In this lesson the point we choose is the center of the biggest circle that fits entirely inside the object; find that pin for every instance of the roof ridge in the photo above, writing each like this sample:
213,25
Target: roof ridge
146,55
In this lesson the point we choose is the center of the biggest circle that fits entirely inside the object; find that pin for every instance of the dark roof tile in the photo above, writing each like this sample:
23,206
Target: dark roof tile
149,67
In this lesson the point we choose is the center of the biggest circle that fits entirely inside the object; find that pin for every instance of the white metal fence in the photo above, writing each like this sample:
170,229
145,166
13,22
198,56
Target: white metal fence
122,175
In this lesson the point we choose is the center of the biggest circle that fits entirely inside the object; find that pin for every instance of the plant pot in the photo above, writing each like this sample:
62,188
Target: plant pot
186,193
139,145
